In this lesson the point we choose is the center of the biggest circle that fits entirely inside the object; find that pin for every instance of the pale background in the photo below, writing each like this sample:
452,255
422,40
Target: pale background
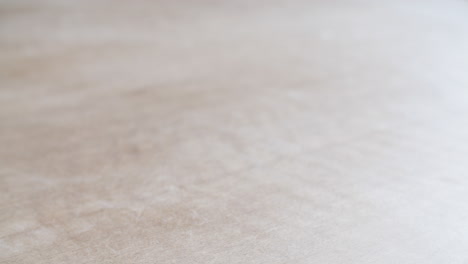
327,131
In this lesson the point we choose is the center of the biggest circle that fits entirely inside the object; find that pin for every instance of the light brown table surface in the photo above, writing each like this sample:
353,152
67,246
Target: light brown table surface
234,131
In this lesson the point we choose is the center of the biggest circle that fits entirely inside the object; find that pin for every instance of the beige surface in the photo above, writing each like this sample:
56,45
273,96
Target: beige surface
234,132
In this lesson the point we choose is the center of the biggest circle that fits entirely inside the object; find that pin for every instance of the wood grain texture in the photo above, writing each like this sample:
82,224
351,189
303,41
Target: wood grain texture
233,131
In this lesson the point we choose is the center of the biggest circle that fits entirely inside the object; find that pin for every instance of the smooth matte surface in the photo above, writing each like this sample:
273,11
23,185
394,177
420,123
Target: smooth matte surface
233,131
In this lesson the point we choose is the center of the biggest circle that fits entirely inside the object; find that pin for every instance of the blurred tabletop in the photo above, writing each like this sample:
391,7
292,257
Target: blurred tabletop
234,131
